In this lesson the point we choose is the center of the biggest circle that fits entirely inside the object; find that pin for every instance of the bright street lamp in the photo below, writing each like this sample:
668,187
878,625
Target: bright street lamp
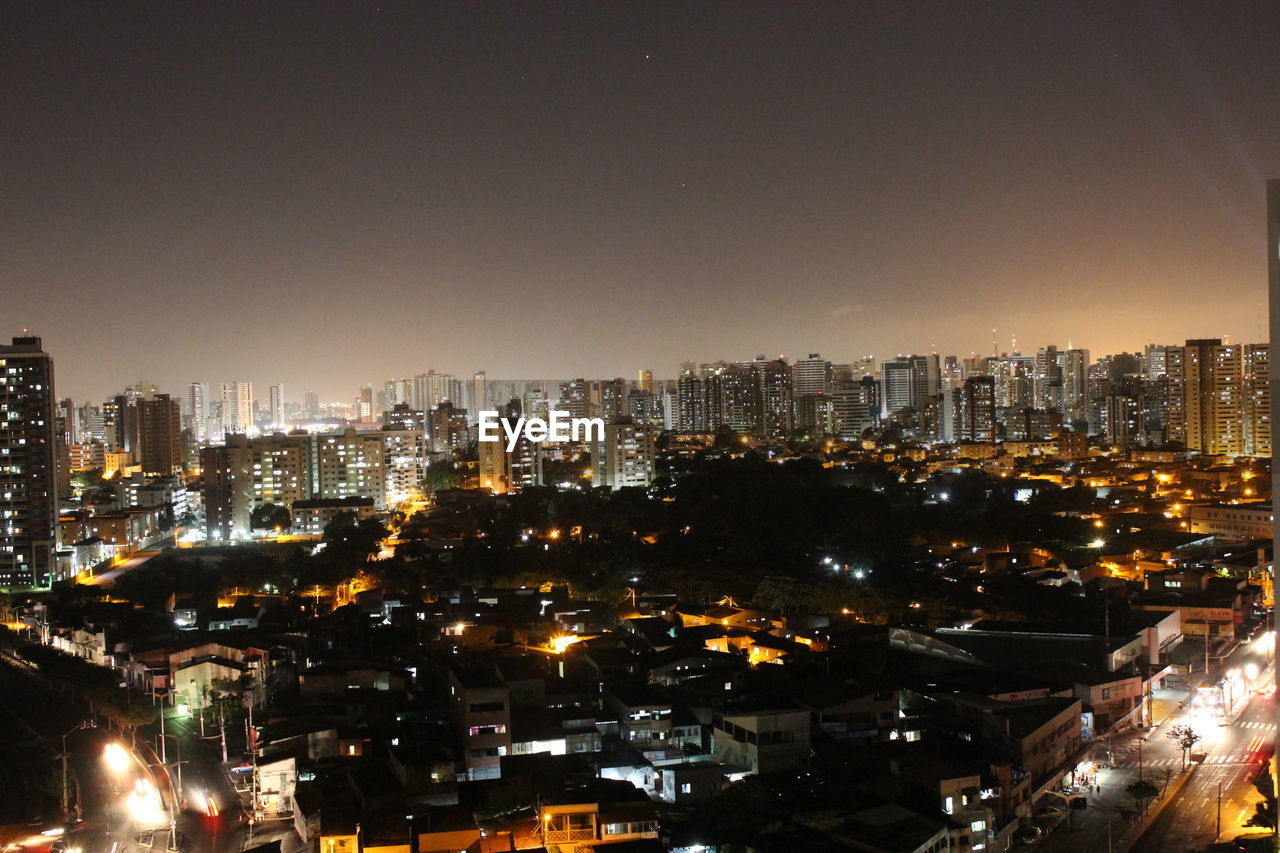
117,758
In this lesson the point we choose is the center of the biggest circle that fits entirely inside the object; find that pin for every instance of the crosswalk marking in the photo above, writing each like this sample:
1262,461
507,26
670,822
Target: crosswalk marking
1256,724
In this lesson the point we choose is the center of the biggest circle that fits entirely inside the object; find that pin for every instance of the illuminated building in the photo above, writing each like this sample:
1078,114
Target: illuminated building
1206,396
1257,399
28,468
691,406
349,464
777,409
811,375
405,460
430,389
897,379
160,436
275,407
198,410
626,456
975,410
237,407
447,427
502,471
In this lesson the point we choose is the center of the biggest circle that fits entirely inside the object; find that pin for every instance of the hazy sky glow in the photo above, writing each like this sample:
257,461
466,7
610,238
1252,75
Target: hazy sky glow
329,194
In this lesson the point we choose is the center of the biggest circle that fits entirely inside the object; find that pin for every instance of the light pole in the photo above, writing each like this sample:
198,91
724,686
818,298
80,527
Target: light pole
66,796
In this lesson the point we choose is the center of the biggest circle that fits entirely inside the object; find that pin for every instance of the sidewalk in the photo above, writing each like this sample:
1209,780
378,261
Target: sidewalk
1111,811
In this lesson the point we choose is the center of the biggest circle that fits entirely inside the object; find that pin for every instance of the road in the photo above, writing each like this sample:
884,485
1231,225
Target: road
110,824
108,578
1234,753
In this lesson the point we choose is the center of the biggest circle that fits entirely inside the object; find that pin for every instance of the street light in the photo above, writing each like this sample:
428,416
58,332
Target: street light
66,798
117,758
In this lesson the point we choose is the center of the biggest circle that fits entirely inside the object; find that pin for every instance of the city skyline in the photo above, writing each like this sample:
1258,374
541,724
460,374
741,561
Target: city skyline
344,396
532,192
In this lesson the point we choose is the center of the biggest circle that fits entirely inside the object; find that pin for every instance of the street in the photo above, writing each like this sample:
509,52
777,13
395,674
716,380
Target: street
1234,746
122,791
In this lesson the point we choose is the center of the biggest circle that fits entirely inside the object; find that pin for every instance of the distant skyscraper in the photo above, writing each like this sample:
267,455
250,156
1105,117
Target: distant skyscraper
1206,396
160,436
896,378
311,404
198,410
237,407
575,398
479,395
28,468
777,407
364,403
626,456
975,410
1257,399
691,407
276,404
1154,361
448,427
645,381
811,375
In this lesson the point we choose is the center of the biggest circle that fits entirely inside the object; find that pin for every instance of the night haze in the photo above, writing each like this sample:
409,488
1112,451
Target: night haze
326,195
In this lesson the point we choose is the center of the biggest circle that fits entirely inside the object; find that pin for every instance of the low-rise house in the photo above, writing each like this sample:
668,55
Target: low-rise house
764,741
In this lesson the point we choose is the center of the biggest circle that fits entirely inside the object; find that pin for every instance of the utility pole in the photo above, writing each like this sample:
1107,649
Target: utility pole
1217,831
1206,649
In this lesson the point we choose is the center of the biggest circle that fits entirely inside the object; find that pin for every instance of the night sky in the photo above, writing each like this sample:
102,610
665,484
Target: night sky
333,194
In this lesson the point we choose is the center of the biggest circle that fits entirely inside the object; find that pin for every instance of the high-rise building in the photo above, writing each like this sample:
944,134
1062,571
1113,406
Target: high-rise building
645,381
198,410
896,377
69,421
849,413
247,473
777,407
349,464
504,471
1046,387
691,405
625,458
925,374
479,395
364,403
311,405
811,375
28,465
1154,361
975,410
1074,371
575,398
237,407
612,401
1206,396
160,436
1257,399
430,389
275,402
125,410
447,426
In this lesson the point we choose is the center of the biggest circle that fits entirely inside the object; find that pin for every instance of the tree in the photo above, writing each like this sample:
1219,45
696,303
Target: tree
270,517
1264,811
1185,737
1141,791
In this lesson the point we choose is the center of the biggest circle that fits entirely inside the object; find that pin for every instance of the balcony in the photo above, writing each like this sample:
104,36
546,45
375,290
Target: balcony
559,836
